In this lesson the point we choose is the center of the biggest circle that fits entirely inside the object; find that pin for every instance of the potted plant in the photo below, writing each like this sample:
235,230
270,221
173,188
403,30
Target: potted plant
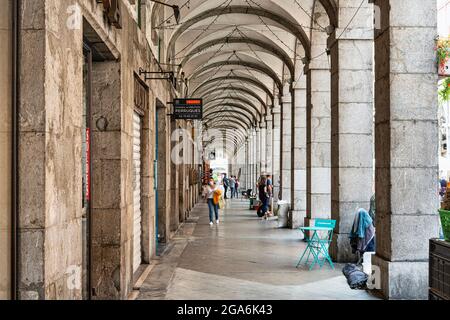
443,55
444,214
444,91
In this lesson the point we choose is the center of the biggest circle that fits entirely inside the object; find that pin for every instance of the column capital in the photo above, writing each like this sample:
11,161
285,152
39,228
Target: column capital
276,110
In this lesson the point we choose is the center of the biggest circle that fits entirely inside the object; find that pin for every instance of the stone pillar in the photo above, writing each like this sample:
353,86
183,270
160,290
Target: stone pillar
262,146
255,158
352,121
252,159
50,189
276,150
318,143
244,178
268,145
286,154
406,146
298,155
258,151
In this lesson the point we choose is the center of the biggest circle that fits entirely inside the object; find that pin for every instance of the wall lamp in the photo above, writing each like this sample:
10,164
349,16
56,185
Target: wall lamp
176,9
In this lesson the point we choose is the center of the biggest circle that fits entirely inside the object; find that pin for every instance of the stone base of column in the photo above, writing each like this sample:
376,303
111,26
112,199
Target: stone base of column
402,280
276,192
297,219
340,249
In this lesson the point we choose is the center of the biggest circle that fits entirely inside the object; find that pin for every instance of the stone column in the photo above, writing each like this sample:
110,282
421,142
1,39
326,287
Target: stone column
251,158
268,145
298,155
255,158
258,151
406,146
286,143
262,146
244,182
276,149
352,121
50,189
318,141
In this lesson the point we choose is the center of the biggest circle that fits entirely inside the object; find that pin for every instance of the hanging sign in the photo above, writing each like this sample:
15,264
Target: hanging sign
88,164
188,109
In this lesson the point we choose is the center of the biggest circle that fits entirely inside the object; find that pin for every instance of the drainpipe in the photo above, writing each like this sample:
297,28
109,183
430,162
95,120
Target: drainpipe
15,149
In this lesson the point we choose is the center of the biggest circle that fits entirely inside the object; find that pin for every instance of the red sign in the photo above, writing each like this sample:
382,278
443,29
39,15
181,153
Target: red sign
88,164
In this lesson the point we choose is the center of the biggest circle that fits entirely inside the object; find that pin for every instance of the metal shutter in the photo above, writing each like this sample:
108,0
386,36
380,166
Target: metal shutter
137,227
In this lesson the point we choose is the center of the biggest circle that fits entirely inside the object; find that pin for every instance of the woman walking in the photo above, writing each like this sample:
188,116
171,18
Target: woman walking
212,193
263,196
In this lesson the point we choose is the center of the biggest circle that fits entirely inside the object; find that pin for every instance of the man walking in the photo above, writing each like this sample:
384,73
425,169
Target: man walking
233,186
226,184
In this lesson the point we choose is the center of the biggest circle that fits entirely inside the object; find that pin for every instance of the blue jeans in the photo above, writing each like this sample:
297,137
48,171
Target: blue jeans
213,209
265,205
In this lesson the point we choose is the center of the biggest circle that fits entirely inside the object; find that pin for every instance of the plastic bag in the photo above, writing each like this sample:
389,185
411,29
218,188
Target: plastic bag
221,203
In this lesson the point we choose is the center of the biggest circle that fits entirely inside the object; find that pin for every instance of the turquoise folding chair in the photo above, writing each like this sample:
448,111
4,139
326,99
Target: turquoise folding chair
321,236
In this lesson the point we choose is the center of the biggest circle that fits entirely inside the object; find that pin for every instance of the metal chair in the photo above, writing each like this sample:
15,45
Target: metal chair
319,243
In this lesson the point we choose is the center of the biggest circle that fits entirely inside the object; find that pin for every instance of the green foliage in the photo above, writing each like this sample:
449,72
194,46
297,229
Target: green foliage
443,51
444,91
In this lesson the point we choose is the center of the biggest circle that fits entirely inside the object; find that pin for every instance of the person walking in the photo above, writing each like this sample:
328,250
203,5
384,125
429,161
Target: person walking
236,188
212,193
232,186
263,196
226,184
270,194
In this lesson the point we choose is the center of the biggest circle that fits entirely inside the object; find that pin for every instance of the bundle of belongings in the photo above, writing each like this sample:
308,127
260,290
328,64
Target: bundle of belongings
362,239
362,236
356,278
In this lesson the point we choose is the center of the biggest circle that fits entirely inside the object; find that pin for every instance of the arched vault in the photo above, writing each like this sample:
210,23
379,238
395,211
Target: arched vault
237,55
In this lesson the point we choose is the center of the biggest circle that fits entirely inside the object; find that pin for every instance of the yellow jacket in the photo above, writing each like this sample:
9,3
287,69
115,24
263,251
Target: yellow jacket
217,195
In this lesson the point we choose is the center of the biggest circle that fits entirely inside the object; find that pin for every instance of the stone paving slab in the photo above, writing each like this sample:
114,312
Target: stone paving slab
242,258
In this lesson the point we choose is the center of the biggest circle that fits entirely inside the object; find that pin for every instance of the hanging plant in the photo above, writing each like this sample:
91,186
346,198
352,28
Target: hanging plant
443,51
444,91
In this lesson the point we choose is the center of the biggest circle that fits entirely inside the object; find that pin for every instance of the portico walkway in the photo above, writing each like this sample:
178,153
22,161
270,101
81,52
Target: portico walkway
242,258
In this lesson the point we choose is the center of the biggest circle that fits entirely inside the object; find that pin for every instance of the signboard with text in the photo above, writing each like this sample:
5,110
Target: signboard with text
188,109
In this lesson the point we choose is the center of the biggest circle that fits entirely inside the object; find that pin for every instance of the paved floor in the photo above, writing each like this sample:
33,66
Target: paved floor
242,258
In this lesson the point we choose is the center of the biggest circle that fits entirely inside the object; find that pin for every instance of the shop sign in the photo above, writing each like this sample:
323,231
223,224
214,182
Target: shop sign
188,109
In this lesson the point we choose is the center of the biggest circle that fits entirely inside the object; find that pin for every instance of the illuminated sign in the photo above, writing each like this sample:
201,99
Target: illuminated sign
188,109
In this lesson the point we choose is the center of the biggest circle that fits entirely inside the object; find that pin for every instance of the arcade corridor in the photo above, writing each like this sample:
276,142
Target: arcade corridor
244,258
118,113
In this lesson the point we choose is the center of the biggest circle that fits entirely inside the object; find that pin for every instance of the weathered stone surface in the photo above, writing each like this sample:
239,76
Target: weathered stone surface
403,280
405,170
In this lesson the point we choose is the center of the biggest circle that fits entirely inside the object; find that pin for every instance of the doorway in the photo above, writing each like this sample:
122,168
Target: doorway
161,175
86,168
137,191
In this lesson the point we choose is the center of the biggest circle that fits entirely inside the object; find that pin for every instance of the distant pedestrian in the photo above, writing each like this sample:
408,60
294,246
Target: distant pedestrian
236,188
232,186
226,184
270,193
263,197
443,187
212,193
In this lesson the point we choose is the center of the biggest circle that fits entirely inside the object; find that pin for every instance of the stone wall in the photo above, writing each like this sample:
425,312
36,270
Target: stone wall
50,152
